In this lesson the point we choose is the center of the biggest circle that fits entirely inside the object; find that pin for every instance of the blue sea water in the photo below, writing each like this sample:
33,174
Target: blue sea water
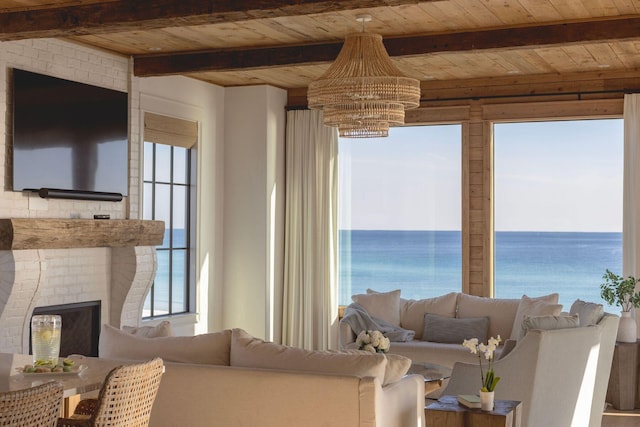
429,263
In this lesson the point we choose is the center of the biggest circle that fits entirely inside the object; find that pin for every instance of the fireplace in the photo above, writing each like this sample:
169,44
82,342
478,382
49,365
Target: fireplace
56,262
80,327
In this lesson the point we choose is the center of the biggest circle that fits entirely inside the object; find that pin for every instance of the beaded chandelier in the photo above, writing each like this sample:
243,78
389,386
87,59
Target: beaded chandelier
363,93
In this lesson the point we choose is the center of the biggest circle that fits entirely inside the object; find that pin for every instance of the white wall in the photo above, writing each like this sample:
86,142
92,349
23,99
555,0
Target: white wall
190,99
240,179
253,208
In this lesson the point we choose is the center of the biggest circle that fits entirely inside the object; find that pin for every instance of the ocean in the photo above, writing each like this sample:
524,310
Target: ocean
425,264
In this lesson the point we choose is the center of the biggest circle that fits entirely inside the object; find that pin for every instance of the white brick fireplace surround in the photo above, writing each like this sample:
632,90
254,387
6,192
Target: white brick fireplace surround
46,262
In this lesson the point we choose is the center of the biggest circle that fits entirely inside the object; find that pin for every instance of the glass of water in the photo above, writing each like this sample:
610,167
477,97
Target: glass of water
45,338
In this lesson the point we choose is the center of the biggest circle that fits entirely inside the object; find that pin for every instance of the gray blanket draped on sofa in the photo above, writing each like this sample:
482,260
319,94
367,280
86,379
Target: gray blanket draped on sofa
359,320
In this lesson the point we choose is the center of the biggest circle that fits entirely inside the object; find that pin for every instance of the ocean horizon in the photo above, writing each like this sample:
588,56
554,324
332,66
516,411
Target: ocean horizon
426,264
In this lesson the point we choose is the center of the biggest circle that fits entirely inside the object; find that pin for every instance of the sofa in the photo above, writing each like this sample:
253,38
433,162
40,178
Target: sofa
230,378
557,363
440,324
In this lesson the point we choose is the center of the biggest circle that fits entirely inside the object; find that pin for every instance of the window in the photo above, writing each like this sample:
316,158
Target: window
399,212
167,196
558,207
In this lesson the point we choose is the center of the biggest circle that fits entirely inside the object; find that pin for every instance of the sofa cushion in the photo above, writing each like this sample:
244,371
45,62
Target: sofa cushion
500,311
589,313
413,311
548,323
247,351
381,305
454,331
209,349
162,329
546,305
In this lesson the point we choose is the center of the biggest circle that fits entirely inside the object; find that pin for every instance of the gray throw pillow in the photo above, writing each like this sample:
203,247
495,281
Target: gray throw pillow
590,313
453,330
548,323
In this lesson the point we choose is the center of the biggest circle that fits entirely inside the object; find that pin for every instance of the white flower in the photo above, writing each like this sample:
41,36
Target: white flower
471,344
369,348
373,341
489,380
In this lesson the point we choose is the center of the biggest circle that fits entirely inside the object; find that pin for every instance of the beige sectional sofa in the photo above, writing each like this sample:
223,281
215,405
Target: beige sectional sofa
230,378
438,339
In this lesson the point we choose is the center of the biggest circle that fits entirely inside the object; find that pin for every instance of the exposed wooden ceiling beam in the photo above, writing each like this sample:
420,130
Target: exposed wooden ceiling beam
135,15
236,59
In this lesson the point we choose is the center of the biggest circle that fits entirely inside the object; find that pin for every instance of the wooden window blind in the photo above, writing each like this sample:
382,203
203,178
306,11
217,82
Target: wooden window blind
170,130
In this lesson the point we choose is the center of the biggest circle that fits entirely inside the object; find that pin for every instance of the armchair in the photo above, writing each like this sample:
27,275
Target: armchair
560,375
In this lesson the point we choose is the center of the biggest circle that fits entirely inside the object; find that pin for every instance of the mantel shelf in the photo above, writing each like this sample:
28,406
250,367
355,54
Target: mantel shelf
27,233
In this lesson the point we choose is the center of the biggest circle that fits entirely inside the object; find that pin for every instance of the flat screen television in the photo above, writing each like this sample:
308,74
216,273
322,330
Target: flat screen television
69,136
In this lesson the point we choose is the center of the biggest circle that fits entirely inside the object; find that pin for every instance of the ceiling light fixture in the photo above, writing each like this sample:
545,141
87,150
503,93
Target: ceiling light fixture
363,93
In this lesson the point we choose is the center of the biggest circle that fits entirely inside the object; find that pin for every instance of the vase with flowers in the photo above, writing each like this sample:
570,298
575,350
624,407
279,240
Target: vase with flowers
488,377
373,341
621,291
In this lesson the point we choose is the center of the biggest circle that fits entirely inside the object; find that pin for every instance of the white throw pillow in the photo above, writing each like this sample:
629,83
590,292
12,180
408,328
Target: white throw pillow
540,306
413,311
397,367
382,305
206,349
162,329
250,352
500,311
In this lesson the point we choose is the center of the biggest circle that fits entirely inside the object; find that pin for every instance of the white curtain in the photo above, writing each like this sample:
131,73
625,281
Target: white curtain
311,233
631,195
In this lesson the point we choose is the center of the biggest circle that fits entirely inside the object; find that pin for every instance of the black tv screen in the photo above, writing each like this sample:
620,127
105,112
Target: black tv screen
68,135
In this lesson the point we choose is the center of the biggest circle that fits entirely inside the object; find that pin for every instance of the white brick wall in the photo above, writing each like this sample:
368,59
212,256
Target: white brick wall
73,62
35,278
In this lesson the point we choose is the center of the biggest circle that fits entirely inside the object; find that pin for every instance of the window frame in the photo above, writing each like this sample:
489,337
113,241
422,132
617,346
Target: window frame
190,225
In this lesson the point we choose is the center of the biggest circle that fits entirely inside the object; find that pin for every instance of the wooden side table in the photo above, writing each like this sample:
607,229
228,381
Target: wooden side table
622,392
447,412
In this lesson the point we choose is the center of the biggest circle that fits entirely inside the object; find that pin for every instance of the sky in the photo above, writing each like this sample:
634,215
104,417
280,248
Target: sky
549,176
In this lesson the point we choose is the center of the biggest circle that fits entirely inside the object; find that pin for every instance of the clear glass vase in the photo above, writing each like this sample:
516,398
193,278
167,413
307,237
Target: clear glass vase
45,338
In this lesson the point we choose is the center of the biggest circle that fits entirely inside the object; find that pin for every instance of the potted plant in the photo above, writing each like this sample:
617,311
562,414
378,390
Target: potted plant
621,291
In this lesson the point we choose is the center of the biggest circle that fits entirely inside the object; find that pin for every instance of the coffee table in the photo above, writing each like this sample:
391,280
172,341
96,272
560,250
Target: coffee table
433,374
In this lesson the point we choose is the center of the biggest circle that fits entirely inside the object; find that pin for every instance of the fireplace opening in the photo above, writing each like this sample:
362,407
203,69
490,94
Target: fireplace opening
80,327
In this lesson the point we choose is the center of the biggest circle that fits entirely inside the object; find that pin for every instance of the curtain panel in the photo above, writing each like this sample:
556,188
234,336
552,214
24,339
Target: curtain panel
310,311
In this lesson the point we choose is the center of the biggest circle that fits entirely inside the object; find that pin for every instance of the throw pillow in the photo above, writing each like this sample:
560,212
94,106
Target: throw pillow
382,305
403,301
453,331
590,313
540,306
250,352
500,311
397,367
162,329
548,323
206,349
413,311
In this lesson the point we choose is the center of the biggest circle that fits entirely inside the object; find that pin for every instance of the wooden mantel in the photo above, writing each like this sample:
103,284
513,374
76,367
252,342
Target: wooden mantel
27,233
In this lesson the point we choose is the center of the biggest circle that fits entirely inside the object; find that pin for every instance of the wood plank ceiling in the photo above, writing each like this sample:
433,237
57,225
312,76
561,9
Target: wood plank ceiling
457,48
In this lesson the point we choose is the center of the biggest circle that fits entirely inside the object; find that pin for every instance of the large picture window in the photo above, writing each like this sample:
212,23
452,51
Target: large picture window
399,212
558,207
